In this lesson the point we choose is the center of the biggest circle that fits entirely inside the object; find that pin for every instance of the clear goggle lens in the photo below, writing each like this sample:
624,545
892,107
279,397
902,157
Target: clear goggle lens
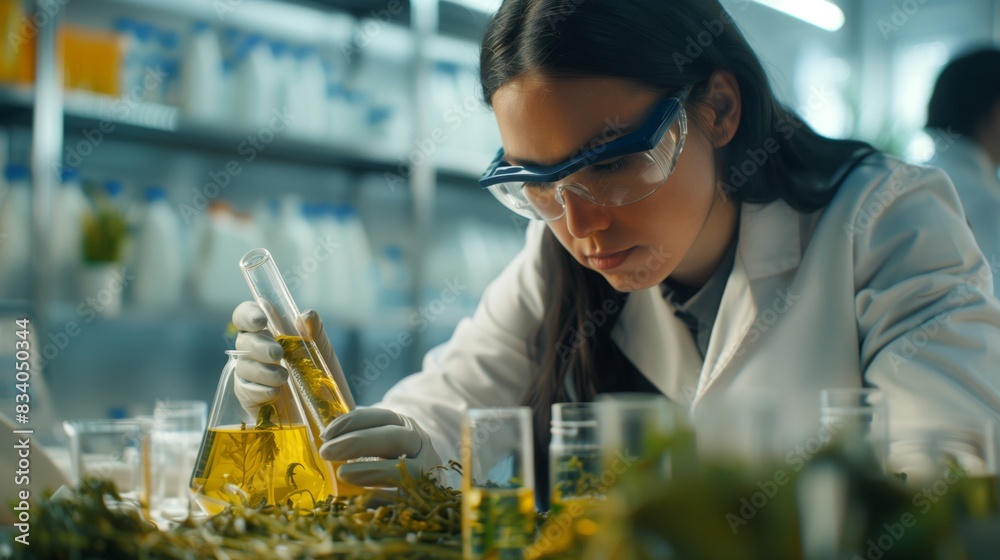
614,182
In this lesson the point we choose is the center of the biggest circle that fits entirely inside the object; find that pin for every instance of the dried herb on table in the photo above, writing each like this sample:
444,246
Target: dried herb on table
421,521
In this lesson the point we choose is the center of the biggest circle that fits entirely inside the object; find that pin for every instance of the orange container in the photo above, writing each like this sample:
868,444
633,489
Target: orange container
17,57
92,59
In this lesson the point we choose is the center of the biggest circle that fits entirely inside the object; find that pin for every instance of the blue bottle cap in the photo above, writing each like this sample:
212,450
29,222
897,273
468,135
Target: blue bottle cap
170,40
155,192
67,174
114,187
16,172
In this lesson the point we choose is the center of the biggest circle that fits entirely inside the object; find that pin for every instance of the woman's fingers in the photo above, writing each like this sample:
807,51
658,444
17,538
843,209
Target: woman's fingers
390,442
269,375
361,419
248,317
384,473
253,395
262,347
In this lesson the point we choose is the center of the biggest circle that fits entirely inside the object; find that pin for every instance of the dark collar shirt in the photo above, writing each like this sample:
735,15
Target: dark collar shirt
697,308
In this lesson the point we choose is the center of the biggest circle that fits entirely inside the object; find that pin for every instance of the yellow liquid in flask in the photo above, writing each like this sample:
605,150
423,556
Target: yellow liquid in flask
242,463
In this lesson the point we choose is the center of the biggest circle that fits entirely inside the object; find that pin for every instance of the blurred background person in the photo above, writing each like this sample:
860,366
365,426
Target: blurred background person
966,102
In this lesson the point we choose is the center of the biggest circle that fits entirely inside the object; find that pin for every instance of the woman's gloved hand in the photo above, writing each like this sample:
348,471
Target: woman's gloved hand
377,433
260,374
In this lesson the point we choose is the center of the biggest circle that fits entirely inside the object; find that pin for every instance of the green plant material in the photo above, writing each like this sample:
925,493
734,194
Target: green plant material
725,511
104,234
421,521
321,394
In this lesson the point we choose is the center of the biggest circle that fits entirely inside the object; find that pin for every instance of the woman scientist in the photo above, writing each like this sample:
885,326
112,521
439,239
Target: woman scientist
691,237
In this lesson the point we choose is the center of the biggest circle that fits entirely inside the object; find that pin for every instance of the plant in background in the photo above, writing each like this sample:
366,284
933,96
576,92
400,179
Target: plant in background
105,231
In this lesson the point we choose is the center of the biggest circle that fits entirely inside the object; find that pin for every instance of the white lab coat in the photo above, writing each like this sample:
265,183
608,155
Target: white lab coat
975,179
884,286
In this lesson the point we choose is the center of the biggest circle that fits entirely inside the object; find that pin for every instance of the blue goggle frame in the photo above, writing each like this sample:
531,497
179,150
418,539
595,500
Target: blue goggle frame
645,138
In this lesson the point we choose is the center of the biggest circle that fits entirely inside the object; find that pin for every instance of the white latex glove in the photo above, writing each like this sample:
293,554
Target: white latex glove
260,374
382,433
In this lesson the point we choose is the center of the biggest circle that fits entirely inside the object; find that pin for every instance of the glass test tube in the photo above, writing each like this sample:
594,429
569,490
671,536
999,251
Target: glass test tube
320,386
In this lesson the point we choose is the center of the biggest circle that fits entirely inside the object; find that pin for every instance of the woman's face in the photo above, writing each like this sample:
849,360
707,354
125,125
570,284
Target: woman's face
670,233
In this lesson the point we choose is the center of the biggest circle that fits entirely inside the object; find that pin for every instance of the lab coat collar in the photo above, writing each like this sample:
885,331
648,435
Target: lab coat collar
769,245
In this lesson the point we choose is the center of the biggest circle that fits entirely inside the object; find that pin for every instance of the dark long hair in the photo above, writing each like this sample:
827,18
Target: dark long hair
965,92
663,45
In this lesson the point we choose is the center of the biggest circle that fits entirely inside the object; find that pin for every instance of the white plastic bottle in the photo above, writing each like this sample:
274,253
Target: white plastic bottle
288,86
131,71
227,236
393,279
15,234
313,90
342,120
201,75
255,86
362,265
170,50
71,208
149,59
293,243
159,271
334,282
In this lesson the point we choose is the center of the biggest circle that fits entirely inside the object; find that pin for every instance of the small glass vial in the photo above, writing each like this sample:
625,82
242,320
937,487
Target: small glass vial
498,483
248,457
575,461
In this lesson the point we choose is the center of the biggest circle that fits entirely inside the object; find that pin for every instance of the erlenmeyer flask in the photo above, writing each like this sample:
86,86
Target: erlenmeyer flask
246,458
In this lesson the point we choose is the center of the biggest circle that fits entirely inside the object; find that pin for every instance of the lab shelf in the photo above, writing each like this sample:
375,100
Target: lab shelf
428,30
162,126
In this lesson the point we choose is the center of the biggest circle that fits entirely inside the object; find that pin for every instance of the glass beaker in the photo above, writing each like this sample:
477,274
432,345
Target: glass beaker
631,424
115,450
245,459
178,428
859,420
320,388
575,463
498,482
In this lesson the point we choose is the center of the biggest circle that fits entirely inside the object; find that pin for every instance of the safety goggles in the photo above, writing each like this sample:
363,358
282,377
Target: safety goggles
622,171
